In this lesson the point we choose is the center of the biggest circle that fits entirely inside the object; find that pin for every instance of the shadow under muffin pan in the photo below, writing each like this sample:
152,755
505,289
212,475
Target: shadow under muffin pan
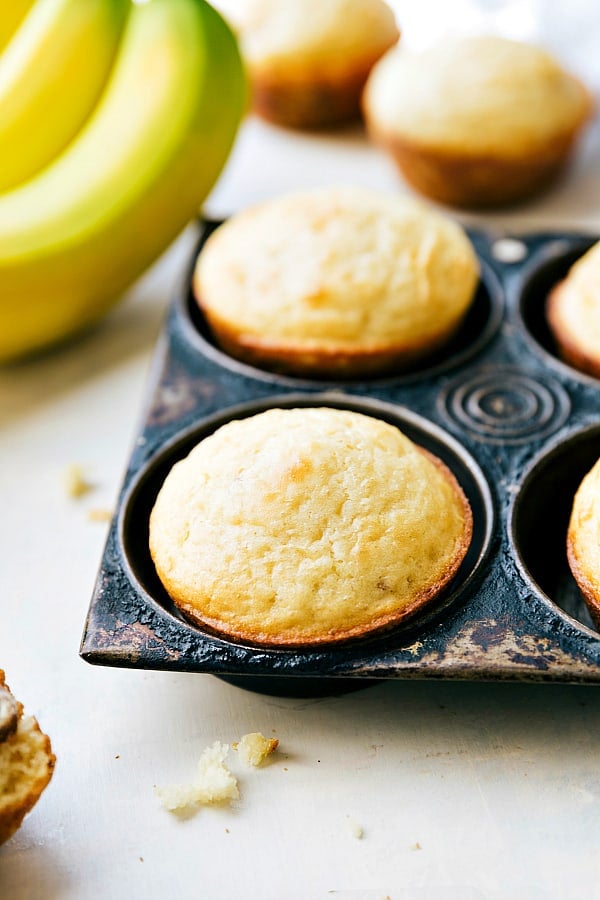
518,428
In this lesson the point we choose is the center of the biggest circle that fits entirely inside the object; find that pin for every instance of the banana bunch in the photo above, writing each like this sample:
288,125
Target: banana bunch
116,118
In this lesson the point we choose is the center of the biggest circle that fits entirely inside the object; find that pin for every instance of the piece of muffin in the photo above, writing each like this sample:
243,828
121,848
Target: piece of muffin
26,762
476,122
573,312
336,282
583,540
308,60
298,527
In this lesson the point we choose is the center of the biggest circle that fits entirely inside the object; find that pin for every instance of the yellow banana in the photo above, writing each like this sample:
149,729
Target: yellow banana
73,238
51,76
13,13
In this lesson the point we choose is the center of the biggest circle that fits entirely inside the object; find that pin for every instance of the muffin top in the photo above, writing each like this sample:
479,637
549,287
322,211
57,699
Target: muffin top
301,526
283,34
577,305
338,268
583,542
476,95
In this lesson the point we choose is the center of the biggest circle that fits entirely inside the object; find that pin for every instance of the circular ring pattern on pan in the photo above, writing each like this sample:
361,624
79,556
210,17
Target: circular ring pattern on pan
502,405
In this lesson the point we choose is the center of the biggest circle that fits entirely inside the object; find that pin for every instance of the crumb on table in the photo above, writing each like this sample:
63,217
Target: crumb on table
100,515
214,783
77,485
254,748
356,829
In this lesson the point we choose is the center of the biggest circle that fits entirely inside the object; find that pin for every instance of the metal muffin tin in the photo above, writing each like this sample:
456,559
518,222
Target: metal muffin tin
518,427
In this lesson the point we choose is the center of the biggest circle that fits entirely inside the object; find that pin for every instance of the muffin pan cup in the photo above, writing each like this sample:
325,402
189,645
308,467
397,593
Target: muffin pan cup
519,429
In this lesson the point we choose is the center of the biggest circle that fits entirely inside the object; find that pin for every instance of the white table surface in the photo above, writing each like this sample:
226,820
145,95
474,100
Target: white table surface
463,791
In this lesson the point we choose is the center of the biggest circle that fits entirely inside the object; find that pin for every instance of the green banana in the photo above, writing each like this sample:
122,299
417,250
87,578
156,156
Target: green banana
51,76
73,238
12,16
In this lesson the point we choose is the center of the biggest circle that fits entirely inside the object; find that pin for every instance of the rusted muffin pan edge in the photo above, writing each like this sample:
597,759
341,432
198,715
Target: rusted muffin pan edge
510,415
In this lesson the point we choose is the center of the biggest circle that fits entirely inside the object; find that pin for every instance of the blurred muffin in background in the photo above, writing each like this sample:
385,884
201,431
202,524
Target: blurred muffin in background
476,122
308,60
336,282
583,540
573,312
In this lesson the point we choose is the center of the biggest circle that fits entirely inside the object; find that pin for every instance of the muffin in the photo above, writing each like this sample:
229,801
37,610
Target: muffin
583,540
298,527
573,312
308,60
335,282
26,762
476,122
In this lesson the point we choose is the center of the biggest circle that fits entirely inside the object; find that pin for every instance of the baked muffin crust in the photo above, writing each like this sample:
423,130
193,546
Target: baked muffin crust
308,60
336,281
573,312
583,540
476,121
304,526
26,763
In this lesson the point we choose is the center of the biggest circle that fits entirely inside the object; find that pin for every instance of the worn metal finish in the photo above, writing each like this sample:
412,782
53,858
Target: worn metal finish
518,427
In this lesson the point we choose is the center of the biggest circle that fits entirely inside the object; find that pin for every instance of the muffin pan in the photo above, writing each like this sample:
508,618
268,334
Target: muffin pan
519,429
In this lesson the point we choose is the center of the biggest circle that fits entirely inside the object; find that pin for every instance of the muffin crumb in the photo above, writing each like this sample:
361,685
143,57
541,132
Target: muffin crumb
100,515
76,484
254,748
214,783
356,828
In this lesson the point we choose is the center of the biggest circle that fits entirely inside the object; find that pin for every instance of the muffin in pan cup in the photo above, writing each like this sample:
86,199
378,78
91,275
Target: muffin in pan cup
573,312
307,526
583,541
337,282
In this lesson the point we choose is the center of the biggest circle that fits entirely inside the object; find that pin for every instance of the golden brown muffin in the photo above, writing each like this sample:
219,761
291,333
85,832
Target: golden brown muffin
583,540
336,282
26,762
476,122
573,312
304,526
308,60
